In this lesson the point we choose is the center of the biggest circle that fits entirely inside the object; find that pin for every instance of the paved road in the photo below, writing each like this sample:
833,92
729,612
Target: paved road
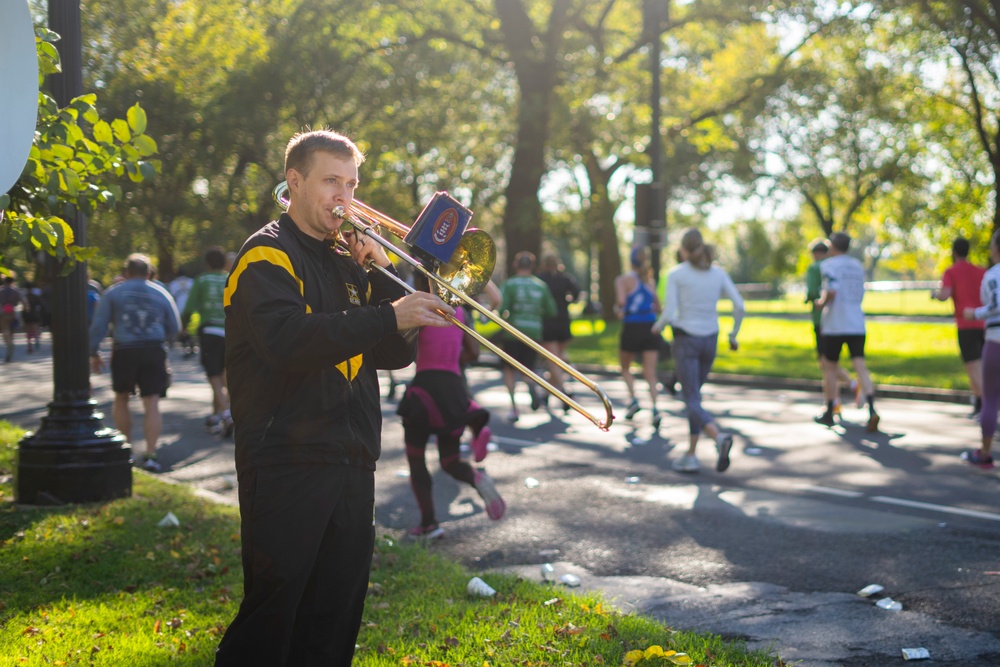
772,551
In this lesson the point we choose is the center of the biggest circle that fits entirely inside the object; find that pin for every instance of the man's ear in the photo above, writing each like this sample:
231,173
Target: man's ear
294,178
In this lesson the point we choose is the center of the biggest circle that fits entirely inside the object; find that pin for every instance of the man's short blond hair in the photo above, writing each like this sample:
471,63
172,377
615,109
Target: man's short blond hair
300,149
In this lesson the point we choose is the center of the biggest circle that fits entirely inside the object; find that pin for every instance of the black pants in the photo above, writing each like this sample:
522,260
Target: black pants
308,534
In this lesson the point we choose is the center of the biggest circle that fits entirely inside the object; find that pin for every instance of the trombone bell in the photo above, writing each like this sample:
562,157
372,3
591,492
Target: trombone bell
472,263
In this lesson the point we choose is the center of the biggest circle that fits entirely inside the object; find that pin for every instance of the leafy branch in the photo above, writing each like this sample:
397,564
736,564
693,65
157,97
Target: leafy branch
76,163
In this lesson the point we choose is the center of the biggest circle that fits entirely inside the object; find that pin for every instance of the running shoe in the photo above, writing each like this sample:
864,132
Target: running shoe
859,395
512,417
495,506
724,444
536,401
657,418
686,463
431,532
213,424
150,464
974,457
826,419
872,425
836,409
633,408
228,427
480,444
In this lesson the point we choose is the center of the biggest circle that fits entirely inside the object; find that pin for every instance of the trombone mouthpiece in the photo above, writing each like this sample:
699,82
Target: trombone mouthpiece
338,212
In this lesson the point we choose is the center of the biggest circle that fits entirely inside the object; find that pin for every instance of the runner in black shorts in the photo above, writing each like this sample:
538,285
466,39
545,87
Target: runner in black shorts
143,367
213,352
961,284
637,305
556,330
520,351
833,344
970,344
143,317
638,337
206,299
525,302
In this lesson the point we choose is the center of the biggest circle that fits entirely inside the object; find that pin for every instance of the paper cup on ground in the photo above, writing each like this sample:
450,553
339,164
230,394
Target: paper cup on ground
479,587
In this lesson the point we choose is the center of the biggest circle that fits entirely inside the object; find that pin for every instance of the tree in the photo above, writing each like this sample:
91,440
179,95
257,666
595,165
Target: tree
719,63
77,161
970,29
838,132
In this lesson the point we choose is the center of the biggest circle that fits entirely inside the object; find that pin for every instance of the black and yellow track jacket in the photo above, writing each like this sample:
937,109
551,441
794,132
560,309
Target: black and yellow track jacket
306,329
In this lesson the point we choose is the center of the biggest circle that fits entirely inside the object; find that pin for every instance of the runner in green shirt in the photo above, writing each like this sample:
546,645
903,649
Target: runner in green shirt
526,300
206,299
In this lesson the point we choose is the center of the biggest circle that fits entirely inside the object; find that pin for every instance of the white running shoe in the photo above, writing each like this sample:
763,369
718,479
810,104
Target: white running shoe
686,463
495,506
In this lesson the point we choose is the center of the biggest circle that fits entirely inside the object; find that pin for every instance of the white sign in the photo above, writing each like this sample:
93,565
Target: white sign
19,80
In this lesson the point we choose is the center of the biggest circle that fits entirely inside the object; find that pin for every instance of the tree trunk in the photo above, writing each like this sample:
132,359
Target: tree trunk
522,220
534,55
601,222
166,244
609,262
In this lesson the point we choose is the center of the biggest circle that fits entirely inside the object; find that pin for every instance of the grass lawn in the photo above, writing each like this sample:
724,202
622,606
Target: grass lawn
899,353
913,303
917,354
102,584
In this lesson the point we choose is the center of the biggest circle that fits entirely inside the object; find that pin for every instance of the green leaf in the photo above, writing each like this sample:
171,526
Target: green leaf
148,170
137,118
102,132
43,236
84,254
44,34
48,60
121,130
53,183
145,144
82,102
58,152
134,174
74,134
72,181
4,200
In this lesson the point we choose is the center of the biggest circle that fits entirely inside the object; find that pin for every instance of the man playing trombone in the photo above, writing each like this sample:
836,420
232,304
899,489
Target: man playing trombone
306,328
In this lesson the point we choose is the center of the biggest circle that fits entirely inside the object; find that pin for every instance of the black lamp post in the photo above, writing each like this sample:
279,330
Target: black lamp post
72,457
655,14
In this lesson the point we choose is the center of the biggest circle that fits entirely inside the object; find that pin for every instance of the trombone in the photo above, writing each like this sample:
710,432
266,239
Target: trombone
463,278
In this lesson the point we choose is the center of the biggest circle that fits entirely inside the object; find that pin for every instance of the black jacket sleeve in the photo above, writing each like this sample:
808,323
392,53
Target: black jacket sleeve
399,349
268,305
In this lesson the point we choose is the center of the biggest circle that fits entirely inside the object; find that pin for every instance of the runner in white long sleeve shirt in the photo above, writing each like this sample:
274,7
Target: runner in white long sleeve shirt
693,292
990,312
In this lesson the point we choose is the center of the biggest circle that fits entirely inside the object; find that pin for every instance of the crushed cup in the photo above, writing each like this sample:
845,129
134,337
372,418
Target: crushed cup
869,590
889,604
480,588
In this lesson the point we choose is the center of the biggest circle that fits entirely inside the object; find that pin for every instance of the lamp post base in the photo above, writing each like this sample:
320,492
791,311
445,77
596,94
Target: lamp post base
73,458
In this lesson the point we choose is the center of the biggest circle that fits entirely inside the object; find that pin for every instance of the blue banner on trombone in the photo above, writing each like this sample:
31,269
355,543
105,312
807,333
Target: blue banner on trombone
439,228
